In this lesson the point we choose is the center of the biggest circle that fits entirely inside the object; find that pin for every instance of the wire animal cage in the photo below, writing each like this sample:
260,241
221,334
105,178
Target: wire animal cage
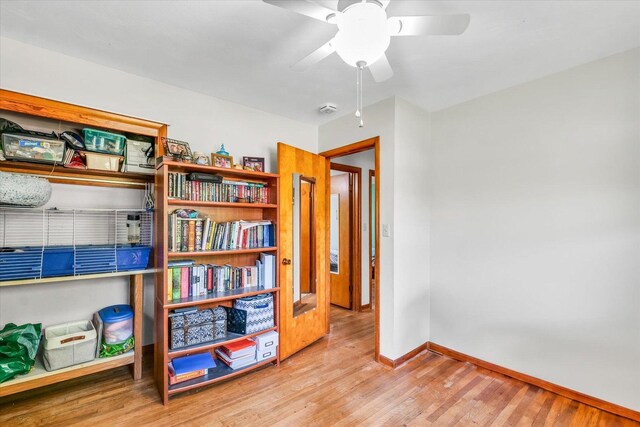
38,243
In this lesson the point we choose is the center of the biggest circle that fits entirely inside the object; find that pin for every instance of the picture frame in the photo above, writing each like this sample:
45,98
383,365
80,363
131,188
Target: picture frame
177,149
221,161
253,163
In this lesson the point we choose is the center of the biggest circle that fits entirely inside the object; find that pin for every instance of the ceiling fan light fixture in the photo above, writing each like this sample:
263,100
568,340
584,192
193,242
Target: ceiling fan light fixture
362,34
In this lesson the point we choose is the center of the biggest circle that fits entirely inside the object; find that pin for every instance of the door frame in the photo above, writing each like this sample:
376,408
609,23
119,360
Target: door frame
355,240
372,272
354,148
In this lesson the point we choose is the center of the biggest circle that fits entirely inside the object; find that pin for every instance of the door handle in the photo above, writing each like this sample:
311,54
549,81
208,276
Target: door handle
286,261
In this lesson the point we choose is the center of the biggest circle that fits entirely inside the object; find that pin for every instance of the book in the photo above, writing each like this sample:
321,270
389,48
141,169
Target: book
239,349
193,362
191,236
176,379
238,363
269,270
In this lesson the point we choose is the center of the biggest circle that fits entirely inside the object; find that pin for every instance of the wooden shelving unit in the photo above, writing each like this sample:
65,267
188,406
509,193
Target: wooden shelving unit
217,211
59,115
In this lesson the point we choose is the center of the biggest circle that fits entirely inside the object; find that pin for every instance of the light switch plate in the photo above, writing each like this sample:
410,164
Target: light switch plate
386,230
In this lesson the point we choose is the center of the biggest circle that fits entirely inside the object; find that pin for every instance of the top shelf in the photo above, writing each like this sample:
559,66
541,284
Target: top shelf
60,174
191,167
48,115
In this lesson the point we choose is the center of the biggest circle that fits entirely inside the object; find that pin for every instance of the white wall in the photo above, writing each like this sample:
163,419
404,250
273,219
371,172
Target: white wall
535,228
366,161
411,227
203,121
403,279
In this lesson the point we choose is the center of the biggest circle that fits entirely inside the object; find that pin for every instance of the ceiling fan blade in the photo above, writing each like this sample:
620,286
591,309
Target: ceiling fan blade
381,69
428,25
305,7
314,57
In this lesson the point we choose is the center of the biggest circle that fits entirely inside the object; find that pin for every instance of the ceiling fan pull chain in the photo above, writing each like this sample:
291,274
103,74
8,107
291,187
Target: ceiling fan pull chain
358,93
360,111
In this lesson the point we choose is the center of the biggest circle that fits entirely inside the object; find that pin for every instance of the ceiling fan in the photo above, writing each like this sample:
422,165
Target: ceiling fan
364,33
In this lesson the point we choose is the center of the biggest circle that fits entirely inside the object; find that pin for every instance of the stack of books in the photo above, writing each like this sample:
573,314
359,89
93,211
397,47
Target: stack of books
238,354
189,367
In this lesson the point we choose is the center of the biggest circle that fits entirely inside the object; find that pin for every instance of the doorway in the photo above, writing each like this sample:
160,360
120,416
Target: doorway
345,252
370,264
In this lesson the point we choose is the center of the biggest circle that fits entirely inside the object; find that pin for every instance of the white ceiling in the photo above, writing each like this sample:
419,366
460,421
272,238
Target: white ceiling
241,50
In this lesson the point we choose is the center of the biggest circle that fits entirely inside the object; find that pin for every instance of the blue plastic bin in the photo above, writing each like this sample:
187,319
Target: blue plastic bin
25,263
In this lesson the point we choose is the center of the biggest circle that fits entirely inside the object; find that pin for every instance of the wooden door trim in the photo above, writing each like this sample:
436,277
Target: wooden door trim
354,148
372,174
356,233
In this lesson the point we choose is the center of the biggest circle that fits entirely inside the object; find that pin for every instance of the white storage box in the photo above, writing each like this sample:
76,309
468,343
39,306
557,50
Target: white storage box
104,162
266,342
69,344
266,354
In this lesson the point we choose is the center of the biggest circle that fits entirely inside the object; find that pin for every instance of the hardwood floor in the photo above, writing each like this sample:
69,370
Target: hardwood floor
333,382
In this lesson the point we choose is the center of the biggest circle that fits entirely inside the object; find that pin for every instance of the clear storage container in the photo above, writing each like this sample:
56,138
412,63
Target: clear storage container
68,344
103,142
118,323
32,149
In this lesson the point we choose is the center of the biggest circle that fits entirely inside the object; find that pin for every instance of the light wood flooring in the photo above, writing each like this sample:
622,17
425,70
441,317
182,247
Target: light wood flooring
333,382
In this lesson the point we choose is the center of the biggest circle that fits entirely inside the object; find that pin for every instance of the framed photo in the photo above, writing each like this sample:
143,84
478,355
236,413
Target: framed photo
221,161
177,149
253,163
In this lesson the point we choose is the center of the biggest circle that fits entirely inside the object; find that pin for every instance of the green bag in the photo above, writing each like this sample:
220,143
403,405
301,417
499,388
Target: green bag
18,348
110,350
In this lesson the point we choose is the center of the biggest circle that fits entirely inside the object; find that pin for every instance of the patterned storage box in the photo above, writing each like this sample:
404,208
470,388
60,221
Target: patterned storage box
192,328
259,312
220,322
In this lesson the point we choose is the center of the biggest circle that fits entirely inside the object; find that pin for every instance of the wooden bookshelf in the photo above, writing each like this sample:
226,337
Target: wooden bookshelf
35,113
219,212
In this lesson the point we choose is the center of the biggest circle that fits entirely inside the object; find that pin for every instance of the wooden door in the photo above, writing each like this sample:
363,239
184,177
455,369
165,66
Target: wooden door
301,327
340,250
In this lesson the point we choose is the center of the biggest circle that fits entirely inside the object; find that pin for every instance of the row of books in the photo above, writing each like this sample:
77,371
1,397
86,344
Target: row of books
187,279
228,190
204,234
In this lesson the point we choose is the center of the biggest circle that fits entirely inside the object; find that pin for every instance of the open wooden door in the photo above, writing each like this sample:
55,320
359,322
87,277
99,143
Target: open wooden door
340,242
304,251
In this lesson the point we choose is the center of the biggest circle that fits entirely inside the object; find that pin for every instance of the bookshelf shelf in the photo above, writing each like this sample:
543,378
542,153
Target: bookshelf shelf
182,202
39,376
225,252
237,173
57,279
220,373
231,337
218,212
218,297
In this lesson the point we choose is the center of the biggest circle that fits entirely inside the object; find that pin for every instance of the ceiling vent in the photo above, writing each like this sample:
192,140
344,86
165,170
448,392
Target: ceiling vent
328,108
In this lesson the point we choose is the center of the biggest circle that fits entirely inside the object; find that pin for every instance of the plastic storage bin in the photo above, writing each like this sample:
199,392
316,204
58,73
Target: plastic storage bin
103,142
68,344
32,149
103,162
118,323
